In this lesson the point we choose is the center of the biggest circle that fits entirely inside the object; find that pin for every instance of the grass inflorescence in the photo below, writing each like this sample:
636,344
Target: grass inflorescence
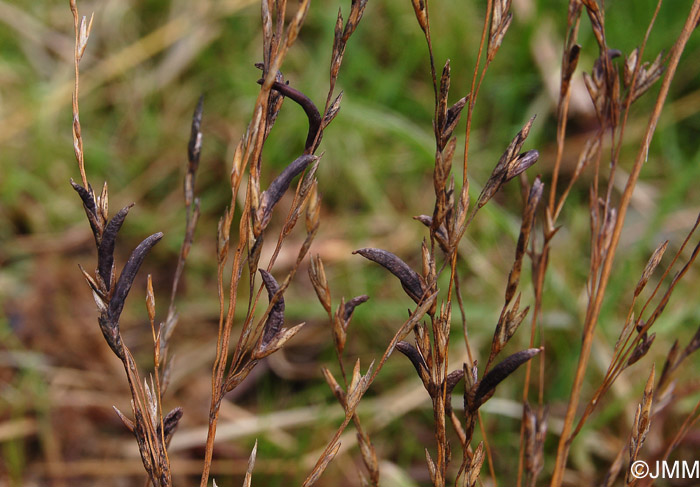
511,279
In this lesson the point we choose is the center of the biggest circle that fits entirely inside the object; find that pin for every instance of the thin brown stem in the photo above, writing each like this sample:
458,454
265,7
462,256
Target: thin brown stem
474,91
594,309
80,41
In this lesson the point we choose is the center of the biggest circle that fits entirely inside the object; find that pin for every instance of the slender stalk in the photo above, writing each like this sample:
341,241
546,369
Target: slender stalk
474,90
80,43
594,309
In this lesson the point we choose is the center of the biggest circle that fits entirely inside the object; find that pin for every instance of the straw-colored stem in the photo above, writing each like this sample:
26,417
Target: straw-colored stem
596,303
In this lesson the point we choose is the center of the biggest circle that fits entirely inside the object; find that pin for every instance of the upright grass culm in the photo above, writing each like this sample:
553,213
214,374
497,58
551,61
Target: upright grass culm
249,331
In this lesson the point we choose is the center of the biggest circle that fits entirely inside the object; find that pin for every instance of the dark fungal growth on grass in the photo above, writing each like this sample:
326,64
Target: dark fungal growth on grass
275,318
410,280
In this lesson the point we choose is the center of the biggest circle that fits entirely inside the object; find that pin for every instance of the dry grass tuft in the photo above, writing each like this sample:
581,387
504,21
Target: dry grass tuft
259,229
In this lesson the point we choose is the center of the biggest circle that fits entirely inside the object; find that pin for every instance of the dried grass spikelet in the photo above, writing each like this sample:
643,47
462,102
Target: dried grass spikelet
647,75
602,230
477,460
641,349
412,323
521,163
151,310
342,318
460,222
338,391
443,91
446,118
630,67
237,167
603,86
444,201
428,268
568,68
501,18
452,118
357,9
441,331
340,39
596,87
443,164
510,320
332,111
83,34
653,262
510,165
420,7
321,466
342,34
223,234
274,104
357,387
422,340
270,41
339,44
313,210
642,422
170,423
596,15
317,274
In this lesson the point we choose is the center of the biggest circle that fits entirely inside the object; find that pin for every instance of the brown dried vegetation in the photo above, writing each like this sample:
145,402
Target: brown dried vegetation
249,330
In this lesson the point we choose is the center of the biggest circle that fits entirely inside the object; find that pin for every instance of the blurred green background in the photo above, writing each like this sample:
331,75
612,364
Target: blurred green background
145,66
